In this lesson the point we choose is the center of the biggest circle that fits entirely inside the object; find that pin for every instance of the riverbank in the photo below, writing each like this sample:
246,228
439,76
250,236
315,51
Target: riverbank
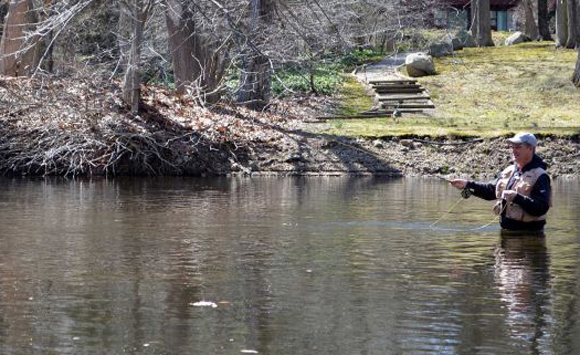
84,130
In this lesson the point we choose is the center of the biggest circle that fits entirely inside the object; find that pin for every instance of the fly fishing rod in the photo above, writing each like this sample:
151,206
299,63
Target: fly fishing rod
465,194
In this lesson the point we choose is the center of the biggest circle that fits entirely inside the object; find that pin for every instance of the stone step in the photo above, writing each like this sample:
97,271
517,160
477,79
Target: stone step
397,81
427,105
369,114
402,98
400,90
396,86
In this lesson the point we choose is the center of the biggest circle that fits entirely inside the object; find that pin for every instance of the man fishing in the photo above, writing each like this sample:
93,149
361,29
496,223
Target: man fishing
523,189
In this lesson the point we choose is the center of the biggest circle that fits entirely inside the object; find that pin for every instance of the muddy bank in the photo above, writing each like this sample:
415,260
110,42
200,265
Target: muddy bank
84,129
479,159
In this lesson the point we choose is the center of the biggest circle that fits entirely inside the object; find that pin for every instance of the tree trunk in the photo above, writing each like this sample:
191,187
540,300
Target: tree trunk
48,45
48,39
543,23
3,12
576,75
132,83
123,35
473,14
184,45
481,27
573,23
256,77
531,28
19,51
561,23
195,65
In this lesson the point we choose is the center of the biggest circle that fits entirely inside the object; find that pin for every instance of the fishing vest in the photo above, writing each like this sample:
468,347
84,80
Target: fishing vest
523,185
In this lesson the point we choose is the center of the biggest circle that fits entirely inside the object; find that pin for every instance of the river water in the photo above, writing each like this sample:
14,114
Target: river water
280,266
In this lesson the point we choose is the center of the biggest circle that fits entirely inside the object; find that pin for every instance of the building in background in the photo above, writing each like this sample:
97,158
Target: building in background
457,13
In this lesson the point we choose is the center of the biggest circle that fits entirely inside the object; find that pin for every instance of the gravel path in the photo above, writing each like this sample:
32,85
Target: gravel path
385,69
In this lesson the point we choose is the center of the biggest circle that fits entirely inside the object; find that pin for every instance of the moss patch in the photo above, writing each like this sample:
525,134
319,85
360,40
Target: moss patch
507,87
491,92
354,97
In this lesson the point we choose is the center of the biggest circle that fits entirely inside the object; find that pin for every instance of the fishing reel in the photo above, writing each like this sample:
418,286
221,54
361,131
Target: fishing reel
466,193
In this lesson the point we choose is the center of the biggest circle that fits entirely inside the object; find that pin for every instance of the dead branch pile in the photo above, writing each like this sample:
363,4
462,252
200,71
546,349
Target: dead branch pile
81,127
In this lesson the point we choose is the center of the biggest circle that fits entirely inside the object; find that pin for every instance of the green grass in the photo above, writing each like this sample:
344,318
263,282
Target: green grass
358,57
328,73
327,78
487,92
354,98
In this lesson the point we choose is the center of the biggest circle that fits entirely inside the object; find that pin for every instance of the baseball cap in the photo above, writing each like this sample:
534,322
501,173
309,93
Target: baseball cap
526,138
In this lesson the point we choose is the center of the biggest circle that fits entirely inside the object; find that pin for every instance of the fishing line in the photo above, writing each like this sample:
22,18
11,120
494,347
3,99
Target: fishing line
465,193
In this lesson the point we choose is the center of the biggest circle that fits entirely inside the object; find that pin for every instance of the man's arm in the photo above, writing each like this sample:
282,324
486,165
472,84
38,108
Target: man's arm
484,190
538,202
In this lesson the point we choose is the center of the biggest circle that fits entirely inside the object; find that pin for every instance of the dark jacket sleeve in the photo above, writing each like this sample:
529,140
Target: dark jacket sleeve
484,190
538,202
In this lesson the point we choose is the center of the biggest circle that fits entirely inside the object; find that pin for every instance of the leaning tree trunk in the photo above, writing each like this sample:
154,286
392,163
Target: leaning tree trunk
195,65
481,27
132,83
256,77
573,23
561,23
543,22
531,28
576,75
19,48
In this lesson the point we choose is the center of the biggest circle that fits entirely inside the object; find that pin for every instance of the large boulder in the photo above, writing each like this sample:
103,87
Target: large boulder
516,38
419,64
466,39
455,42
440,49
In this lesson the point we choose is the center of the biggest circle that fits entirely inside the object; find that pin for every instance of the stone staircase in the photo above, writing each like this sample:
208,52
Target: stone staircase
399,96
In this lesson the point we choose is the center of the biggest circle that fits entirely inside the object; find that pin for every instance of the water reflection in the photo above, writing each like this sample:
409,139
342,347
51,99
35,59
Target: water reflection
523,279
296,266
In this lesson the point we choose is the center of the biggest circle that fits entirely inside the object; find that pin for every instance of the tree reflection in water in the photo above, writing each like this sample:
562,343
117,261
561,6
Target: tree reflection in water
523,278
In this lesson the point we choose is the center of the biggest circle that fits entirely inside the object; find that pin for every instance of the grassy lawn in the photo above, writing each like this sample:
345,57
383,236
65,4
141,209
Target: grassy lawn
488,92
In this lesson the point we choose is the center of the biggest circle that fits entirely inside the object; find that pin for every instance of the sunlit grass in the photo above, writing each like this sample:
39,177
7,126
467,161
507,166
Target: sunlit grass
354,98
491,92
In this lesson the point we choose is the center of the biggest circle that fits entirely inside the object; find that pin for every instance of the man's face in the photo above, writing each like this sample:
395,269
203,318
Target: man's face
522,152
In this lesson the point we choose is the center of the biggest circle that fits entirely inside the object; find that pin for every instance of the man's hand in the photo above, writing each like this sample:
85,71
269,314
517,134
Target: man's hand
458,183
509,195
